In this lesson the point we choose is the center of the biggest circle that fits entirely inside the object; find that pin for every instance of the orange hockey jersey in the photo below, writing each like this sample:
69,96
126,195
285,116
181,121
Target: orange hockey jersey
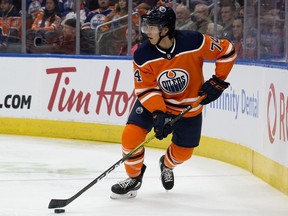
170,81
55,25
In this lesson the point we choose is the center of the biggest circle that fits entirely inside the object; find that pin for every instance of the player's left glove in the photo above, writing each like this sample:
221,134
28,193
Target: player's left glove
160,123
213,88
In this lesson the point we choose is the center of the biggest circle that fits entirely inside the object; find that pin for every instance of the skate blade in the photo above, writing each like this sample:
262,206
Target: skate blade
130,194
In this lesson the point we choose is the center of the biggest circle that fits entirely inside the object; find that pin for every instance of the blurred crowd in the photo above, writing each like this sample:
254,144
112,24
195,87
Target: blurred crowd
257,30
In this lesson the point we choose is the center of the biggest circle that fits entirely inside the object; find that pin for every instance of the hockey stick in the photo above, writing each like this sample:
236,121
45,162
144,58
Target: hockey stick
60,203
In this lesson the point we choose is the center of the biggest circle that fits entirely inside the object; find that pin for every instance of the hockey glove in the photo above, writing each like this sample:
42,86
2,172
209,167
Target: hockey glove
213,88
160,123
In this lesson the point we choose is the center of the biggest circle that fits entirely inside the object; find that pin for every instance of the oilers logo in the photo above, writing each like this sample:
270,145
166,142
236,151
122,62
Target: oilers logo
162,9
173,81
96,20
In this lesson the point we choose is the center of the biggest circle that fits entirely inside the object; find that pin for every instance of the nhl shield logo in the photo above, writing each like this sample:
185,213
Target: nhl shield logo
173,81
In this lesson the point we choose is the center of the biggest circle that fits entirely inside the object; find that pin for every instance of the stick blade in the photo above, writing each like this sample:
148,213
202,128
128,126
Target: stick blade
58,203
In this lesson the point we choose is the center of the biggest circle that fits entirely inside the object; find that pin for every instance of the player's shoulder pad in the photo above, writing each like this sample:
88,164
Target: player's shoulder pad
145,52
189,40
185,41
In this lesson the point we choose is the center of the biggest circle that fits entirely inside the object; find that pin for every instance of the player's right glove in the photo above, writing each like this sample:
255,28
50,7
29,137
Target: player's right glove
213,88
160,123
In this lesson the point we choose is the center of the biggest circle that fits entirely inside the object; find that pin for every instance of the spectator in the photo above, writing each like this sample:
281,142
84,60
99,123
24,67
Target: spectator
236,4
238,41
219,30
61,42
116,38
250,51
120,10
237,38
46,25
67,42
271,34
47,19
33,7
250,17
83,13
144,4
240,2
96,17
91,4
278,40
135,38
202,19
227,13
241,11
193,3
65,7
10,24
183,18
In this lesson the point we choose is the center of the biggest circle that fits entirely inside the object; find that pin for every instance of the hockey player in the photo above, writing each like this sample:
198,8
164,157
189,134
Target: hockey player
168,77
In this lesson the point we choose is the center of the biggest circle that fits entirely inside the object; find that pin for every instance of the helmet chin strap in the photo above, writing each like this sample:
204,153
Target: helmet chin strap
160,38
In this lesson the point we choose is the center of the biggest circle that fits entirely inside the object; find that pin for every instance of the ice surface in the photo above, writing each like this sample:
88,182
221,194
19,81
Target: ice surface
34,170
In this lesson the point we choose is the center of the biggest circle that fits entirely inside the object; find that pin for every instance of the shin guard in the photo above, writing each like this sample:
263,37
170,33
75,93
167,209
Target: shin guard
176,155
132,136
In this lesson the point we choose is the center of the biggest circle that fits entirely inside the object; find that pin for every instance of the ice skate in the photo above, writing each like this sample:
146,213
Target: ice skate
128,187
167,176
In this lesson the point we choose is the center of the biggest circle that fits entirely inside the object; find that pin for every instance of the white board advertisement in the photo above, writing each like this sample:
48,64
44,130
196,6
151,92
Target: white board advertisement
251,112
84,90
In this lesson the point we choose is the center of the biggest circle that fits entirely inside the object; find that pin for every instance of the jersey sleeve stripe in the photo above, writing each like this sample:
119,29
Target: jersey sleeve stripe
186,100
147,92
228,55
180,109
147,97
228,60
229,49
140,90
176,105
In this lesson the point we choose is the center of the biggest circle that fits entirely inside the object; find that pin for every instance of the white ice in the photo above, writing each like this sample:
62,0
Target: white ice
34,170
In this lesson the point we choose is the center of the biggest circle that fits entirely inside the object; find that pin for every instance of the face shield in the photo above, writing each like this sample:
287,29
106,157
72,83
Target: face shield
152,29
147,27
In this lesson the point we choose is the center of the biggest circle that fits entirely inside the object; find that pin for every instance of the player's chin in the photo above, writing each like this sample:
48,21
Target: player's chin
153,42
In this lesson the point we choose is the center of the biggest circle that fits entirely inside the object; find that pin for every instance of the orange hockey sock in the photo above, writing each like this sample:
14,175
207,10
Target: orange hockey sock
176,155
132,136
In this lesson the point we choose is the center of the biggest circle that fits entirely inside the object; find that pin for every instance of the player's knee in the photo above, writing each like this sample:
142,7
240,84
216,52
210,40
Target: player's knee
132,136
181,154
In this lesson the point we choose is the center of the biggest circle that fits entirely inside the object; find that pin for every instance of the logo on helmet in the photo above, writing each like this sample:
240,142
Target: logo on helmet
162,9
173,81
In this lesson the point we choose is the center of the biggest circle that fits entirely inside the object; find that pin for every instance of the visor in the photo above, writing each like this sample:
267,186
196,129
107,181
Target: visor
147,26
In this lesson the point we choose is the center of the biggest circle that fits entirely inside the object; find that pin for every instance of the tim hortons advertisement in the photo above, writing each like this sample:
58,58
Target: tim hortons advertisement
68,89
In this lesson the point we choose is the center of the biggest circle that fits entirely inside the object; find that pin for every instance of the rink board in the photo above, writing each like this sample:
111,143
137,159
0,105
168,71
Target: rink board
78,98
